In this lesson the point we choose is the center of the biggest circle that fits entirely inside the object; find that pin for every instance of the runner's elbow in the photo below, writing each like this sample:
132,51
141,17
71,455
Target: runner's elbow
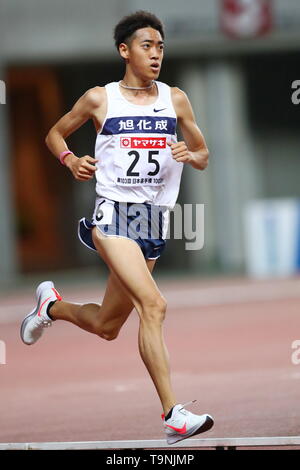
48,137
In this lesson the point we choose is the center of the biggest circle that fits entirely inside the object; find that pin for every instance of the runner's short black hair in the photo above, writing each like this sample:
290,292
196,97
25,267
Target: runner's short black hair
128,25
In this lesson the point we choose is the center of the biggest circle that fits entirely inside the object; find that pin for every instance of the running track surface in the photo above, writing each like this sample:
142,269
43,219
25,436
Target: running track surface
230,344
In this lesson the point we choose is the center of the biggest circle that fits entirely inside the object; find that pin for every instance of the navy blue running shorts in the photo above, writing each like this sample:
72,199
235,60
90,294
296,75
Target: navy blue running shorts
146,224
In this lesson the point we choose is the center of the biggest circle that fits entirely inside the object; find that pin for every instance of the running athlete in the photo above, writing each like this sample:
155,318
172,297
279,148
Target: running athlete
138,164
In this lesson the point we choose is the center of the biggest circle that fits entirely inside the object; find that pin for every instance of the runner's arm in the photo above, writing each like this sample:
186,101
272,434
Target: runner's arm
194,149
82,168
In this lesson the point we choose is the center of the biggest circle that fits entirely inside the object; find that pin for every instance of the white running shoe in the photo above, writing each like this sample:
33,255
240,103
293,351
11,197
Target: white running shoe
34,323
184,424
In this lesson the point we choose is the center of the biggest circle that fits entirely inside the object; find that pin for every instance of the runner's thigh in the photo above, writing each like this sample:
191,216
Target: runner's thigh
125,259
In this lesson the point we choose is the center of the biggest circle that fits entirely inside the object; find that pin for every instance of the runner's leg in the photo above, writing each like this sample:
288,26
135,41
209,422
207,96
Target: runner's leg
125,259
104,320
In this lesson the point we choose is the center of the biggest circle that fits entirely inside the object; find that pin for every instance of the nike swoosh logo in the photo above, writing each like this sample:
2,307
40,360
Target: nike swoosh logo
157,110
59,297
179,430
39,312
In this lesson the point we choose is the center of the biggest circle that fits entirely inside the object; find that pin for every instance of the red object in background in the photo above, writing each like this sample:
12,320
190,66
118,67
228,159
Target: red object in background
246,18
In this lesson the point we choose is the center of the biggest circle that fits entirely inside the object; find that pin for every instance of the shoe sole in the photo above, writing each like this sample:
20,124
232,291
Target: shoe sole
206,426
25,321
31,314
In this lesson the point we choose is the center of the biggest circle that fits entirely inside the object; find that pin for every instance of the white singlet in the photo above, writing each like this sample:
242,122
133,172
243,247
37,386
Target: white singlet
135,163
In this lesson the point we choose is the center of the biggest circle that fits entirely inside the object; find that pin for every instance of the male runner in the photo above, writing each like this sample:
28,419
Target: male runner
138,161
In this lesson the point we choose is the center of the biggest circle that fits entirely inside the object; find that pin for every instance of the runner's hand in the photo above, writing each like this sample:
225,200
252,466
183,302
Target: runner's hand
83,168
180,152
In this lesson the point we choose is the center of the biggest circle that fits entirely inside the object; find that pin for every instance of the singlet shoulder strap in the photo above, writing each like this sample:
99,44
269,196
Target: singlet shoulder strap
111,87
112,96
165,94
111,90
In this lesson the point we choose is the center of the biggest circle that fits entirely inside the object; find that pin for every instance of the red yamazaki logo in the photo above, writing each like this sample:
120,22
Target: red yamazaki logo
143,142
125,142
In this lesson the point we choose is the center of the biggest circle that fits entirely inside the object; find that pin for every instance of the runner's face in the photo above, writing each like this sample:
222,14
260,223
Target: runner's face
145,53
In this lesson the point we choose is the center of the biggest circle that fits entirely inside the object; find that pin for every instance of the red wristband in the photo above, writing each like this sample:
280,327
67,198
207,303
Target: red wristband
63,155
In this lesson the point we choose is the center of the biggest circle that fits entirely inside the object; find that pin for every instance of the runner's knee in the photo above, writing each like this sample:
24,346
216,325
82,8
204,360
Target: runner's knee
107,333
154,309
106,330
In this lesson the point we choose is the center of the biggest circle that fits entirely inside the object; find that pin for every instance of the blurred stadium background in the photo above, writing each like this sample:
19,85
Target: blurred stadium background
236,60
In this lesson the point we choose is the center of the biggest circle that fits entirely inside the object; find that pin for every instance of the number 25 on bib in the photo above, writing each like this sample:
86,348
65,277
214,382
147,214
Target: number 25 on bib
142,161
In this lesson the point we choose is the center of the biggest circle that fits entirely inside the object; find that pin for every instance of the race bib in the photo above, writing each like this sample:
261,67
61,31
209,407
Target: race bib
104,210
141,161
